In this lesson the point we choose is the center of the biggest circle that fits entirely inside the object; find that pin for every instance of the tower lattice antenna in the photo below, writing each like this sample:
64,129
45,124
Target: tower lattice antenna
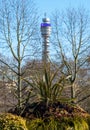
45,14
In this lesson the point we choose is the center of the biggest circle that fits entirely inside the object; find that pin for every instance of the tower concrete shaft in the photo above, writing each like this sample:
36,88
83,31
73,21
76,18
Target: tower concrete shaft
45,51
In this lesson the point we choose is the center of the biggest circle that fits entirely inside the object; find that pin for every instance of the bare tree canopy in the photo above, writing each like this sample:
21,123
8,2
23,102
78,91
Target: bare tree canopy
18,21
71,40
18,36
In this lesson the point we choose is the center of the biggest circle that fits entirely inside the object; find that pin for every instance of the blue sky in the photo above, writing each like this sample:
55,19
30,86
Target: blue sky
49,6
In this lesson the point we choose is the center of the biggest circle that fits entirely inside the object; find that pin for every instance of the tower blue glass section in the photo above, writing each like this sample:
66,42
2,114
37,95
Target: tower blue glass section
45,24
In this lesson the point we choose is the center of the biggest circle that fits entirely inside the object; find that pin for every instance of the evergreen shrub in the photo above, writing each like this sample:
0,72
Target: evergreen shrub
12,122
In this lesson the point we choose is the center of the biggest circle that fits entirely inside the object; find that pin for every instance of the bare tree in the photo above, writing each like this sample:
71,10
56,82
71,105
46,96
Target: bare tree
71,37
18,31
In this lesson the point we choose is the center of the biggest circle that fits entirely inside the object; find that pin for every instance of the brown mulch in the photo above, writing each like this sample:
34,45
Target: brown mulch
58,110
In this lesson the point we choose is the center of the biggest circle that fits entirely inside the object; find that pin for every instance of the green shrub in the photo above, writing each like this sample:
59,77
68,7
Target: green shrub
12,122
54,124
88,120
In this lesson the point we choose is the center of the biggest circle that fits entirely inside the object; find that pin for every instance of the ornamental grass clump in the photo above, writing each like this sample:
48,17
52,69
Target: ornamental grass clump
55,124
12,122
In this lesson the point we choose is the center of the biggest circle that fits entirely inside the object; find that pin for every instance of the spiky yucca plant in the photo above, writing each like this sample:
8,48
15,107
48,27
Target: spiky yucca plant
46,88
